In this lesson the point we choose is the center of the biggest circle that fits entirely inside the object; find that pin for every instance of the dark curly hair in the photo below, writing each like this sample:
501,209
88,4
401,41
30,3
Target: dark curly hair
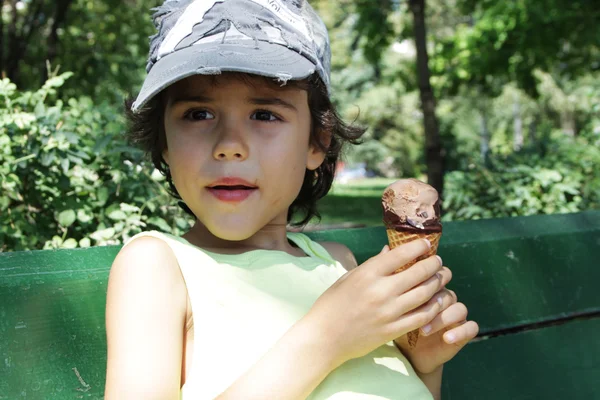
146,130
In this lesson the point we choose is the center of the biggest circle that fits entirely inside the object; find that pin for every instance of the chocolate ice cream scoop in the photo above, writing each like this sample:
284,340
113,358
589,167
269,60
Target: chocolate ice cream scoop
411,205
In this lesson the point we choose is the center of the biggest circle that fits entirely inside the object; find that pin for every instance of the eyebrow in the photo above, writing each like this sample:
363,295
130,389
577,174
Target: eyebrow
271,101
184,98
259,101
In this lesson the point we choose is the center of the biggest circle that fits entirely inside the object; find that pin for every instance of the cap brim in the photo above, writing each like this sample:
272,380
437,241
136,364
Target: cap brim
258,58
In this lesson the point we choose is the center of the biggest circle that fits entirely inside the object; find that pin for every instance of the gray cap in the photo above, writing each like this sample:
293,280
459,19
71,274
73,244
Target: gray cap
283,39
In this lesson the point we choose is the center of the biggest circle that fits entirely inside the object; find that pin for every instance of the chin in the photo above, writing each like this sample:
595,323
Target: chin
233,234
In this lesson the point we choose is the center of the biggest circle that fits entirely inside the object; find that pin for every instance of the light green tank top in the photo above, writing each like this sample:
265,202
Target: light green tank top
242,304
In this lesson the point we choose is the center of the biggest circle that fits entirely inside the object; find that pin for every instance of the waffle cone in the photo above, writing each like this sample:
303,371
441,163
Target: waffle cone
395,239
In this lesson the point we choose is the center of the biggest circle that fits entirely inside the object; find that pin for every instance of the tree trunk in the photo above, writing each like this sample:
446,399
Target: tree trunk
518,124
567,123
485,136
10,62
533,125
17,40
2,71
59,17
433,145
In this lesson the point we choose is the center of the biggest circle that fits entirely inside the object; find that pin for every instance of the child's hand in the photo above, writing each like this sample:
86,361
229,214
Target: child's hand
370,305
441,339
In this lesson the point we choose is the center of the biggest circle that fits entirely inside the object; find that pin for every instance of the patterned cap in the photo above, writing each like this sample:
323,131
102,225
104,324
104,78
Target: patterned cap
282,39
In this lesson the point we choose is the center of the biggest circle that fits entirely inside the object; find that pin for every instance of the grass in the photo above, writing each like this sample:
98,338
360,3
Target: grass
358,202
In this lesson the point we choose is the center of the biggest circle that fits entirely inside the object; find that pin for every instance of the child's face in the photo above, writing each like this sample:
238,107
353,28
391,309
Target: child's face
229,128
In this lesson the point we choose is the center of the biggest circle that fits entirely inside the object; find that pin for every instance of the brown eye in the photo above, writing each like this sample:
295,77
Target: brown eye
266,116
198,115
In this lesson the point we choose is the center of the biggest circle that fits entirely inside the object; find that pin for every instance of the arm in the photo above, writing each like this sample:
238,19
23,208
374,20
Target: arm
291,370
145,318
433,381
344,255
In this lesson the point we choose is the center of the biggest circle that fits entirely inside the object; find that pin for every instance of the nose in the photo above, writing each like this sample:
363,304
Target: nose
231,144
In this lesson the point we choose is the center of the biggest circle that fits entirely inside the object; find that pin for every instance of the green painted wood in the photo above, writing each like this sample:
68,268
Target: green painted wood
510,272
558,362
52,329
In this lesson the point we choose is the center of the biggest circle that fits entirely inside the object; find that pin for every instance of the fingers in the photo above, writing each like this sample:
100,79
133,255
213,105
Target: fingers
385,249
453,317
419,316
419,273
462,334
389,261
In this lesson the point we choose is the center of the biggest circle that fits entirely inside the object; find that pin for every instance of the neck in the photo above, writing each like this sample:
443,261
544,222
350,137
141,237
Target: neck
272,236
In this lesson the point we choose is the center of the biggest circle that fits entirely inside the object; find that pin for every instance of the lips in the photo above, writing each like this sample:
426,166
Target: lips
232,190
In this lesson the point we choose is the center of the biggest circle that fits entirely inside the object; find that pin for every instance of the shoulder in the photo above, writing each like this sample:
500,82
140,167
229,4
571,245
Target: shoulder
146,254
146,268
145,316
341,253
143,263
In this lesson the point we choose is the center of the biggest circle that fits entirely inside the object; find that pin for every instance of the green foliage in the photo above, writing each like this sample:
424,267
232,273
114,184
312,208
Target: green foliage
374,27
104,43
561,177
67,177
504,41
357,202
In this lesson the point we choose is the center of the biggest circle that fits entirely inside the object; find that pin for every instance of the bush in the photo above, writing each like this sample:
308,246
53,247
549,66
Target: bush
560,175
68,178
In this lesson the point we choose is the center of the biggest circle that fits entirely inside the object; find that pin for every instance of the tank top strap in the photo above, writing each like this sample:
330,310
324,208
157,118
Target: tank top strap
310,247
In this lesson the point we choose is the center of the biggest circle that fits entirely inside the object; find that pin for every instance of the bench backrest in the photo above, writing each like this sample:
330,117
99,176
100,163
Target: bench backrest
530,282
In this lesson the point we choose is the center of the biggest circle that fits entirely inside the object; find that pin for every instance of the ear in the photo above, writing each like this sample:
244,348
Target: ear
316,156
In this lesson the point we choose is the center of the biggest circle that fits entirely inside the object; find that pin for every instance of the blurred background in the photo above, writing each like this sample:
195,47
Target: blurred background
495,103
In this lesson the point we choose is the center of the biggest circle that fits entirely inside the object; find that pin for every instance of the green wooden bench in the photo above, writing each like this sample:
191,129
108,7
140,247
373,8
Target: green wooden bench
532,283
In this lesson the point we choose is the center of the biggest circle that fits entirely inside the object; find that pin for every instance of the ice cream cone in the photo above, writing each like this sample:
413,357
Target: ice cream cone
395,239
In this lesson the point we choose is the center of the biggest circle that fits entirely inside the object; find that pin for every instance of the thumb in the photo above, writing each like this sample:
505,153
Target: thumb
385,249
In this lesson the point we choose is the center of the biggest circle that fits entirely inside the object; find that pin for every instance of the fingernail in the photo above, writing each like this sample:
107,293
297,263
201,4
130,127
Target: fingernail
440,301
450,338
428,242
440,258
426,329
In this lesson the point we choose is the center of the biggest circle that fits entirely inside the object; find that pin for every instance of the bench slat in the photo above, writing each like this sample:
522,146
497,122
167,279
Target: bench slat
52,333
558,362
513,271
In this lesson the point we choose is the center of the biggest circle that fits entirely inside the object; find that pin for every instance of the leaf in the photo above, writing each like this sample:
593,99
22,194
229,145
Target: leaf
103,234
40,110
161,223
117,215
129,208
65,163
69,244
84,216
57,81
47,158
101,144
7,88
102,194
66,218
